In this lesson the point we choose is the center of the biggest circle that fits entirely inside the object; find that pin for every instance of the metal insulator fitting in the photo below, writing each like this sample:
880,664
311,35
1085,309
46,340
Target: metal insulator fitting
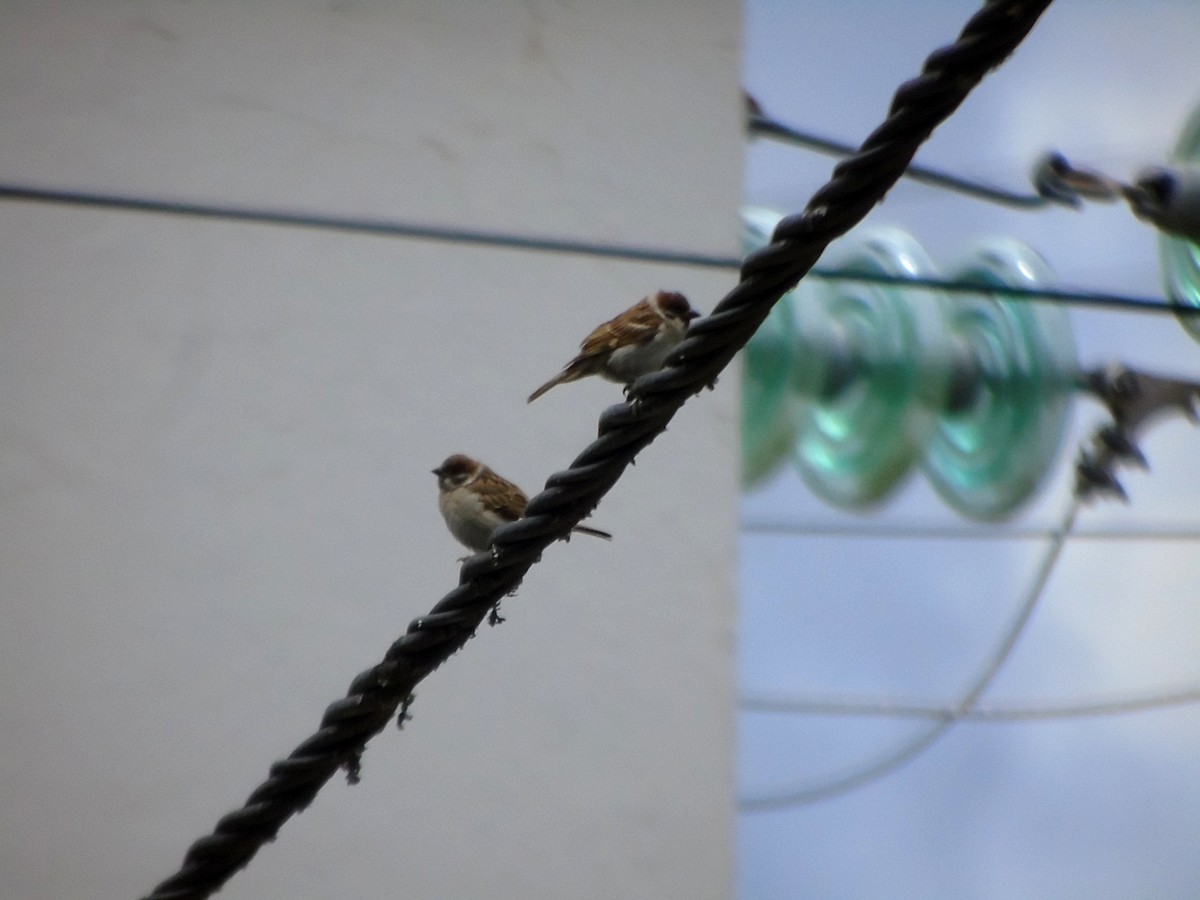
1169,198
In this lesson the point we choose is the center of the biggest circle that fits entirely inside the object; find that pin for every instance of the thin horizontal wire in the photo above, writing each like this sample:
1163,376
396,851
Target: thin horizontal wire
382,227
1063,709
1050,295
631,253
965,533
810,791
767,127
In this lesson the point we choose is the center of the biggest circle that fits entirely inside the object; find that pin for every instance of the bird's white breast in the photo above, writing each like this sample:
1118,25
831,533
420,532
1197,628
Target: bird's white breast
467,518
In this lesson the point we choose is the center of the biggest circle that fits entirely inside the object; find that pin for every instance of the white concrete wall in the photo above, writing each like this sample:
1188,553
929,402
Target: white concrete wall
215,442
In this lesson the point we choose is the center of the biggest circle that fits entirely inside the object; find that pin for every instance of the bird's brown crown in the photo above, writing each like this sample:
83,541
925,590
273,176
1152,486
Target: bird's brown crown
675,305
456,469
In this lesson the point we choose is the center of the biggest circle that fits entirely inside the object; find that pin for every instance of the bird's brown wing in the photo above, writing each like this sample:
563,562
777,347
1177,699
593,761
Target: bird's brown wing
636,325
633,327
501,496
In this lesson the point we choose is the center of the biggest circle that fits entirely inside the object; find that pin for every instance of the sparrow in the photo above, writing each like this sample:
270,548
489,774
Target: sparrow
474,500
631,344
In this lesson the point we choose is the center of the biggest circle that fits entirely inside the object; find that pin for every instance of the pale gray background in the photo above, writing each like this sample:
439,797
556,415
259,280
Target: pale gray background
216,443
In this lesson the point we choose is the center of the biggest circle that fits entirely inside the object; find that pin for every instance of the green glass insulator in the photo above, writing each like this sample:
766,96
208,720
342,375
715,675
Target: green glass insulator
1180,258
1008,400
768,407
768,419
874,401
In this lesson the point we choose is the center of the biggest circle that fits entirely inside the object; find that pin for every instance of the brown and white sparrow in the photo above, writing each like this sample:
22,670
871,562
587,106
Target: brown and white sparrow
631,344
474,500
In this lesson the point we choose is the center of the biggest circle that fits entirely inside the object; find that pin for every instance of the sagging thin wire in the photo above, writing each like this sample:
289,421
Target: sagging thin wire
909,749
759,124
858,183
360,225
1183,695
625,252
1134,400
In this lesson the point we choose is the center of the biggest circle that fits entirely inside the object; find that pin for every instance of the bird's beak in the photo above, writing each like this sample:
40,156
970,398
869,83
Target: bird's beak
693,315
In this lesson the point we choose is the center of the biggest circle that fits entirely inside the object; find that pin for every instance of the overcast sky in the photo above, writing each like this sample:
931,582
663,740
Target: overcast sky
1097,807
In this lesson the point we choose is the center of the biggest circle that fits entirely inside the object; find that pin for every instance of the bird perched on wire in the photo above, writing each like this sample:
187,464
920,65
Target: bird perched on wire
474,500
631,344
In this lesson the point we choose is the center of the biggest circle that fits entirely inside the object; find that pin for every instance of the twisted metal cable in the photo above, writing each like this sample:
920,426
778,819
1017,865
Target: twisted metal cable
858,183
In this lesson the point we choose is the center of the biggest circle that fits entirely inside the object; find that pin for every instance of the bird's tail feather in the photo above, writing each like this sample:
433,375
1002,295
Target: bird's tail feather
564,376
